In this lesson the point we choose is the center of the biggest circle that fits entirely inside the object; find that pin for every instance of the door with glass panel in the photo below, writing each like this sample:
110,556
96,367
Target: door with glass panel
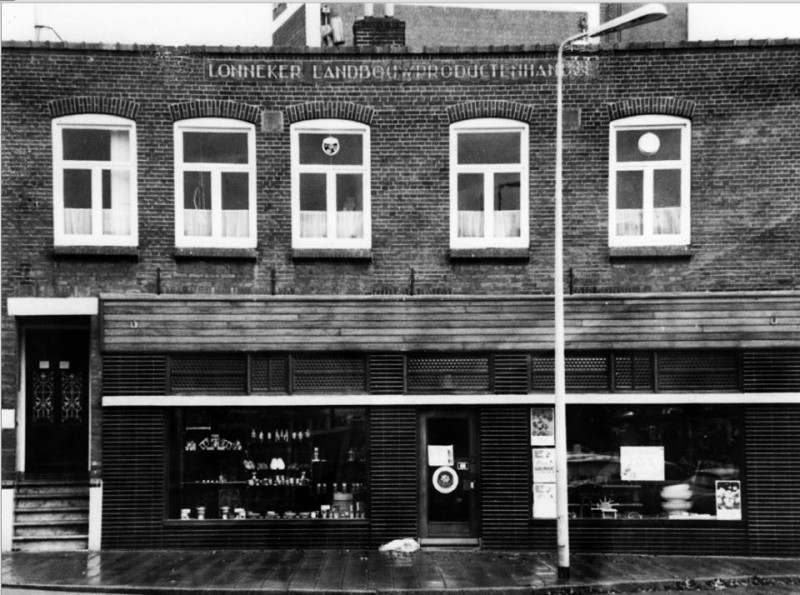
449,494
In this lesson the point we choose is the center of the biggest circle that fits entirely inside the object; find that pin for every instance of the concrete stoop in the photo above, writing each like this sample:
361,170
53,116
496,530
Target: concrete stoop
51,516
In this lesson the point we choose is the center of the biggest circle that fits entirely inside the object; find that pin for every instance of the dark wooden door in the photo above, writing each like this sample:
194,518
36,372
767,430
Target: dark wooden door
449,475
57,401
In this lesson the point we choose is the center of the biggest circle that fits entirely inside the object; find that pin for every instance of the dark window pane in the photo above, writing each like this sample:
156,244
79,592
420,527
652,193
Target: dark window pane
470,192
87,145
349,192
669,145
489,147
197,190
667,188
348,148
106,188
506,192
235,191
313,192
77,189
215,147
630,187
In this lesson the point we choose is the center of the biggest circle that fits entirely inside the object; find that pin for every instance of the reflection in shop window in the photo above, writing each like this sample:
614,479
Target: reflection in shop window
655,462
242,464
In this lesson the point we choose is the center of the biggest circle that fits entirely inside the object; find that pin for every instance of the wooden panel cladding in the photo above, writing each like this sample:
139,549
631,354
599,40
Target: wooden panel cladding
772,480
505,480
134,443
447,323
394,494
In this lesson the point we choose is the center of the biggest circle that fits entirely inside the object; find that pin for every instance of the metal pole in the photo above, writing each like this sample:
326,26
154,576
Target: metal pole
562,519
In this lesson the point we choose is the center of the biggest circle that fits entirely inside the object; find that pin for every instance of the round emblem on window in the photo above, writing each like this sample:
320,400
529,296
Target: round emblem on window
330,145
445,480
649,143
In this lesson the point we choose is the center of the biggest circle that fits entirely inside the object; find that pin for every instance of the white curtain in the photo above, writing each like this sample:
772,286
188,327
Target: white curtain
234,223
350,224
117,219
506,224
197,222
78,221
668,220
629,222
470,224
313,224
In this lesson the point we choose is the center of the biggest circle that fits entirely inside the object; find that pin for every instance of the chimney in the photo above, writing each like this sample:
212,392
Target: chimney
383,31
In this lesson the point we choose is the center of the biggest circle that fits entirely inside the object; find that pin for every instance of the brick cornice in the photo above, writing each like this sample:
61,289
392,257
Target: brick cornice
215,108
113,106
490,108
642,106
340,110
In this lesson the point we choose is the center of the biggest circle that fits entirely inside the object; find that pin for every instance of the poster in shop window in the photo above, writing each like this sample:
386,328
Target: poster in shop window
542,426
729,500
641,463
544,465
544,501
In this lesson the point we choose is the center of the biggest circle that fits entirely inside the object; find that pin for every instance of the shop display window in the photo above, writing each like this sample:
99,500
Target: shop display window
277,464
678,462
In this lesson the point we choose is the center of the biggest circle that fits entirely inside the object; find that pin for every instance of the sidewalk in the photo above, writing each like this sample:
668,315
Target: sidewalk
360,571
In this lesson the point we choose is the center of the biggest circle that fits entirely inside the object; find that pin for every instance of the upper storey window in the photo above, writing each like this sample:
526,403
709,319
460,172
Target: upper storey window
215,183
330,184
649,181
94,181
489,184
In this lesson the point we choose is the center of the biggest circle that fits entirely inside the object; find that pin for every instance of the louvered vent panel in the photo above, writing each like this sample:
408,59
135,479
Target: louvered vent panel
505,477
633,371
137,375
771,371
698,370
394,499
438,374
319,373
208,373
269,374
772,480
511,373
584,372
387,374
133,477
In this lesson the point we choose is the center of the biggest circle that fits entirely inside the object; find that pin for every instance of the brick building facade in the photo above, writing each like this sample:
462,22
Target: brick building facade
248,312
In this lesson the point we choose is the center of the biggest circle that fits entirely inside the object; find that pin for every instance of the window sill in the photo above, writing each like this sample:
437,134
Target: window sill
96,251
650,252
216,253
490,254
331,254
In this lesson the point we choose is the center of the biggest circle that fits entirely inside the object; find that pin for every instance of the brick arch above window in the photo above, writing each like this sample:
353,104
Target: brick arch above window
112,106
490,108
642,106
323,110
215,108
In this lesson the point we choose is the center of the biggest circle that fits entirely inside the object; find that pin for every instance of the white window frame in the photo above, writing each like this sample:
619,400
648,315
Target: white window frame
216,239
648,238
331,126
97,237
489,171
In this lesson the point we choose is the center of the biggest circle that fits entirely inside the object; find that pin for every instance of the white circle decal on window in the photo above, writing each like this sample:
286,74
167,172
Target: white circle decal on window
649,143
330,145
445,480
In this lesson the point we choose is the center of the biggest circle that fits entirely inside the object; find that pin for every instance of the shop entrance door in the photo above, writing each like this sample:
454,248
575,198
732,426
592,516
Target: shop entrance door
449,477
56,401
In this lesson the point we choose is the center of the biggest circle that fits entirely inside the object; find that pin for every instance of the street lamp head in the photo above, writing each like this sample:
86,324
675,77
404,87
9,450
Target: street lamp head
640,16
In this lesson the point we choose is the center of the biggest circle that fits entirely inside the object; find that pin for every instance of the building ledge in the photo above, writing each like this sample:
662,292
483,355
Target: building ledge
96,251
523,254
650,252
215,253
331,254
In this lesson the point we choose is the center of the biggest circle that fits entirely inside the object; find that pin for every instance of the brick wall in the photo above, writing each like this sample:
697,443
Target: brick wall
293,32
379,31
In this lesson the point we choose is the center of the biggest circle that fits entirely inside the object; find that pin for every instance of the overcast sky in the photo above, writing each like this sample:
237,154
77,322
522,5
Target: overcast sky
246,23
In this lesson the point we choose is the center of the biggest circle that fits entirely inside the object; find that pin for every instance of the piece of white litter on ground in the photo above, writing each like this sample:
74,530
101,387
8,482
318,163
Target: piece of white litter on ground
406,545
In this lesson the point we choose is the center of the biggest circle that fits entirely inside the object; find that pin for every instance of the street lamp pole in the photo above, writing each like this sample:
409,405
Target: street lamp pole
640,16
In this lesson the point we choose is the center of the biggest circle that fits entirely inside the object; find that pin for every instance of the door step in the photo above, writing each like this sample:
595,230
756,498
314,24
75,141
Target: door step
51,515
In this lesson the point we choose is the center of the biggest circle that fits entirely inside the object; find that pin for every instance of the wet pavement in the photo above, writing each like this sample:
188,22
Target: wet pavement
361,571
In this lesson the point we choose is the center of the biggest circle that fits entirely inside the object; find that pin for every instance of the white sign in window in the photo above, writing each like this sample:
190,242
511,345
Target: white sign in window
641,463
